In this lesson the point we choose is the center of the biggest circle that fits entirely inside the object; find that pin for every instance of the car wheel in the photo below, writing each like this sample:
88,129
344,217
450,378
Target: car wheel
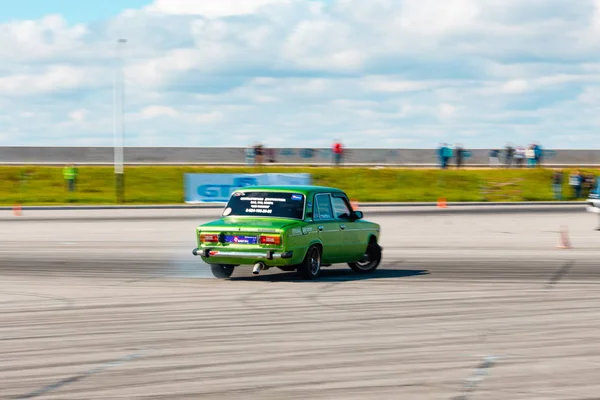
311,266
373,258
222,271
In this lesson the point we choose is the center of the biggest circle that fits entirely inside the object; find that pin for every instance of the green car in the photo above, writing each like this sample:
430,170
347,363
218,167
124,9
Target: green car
293,228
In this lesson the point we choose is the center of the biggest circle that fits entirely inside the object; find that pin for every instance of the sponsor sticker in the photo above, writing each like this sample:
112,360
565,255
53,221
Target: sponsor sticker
307,230
296,197
296,231
241,239
227,211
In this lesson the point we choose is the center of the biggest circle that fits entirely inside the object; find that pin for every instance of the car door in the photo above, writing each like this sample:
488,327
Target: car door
328,227
353,237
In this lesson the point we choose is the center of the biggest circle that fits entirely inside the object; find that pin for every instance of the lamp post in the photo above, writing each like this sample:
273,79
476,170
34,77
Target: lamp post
119,121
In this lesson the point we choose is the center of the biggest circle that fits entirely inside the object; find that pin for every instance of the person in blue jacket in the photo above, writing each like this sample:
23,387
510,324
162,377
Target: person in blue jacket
537,149
448,153
440,152
576,181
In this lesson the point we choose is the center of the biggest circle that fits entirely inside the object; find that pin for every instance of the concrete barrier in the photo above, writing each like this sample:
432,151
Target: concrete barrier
236,156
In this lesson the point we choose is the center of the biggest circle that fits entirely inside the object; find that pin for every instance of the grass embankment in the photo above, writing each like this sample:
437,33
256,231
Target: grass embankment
164,185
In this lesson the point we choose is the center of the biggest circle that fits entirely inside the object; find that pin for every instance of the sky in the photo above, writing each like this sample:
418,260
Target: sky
302,73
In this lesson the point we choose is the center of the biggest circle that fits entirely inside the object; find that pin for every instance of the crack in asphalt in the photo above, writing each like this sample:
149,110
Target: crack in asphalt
94,371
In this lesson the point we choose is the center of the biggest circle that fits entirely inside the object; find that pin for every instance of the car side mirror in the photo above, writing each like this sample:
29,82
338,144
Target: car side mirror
357,215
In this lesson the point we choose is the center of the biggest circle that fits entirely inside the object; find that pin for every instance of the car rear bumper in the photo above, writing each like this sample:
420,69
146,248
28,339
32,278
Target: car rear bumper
246,255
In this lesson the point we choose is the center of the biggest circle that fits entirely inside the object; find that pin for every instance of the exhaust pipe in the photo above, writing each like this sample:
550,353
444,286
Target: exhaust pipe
257,268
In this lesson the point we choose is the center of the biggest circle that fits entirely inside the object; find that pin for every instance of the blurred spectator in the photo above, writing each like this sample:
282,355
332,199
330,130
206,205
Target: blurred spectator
596,188
575,181
250,155
538,152
448,155
460,153
588,184
530,154
557,184
520,156
494,158
509,155
440,153
70,176
258,154
271,155
445,153
338,152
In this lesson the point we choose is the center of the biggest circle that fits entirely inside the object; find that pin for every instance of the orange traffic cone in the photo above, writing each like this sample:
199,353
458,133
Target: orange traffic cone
17,210
565,243
354,205
441,203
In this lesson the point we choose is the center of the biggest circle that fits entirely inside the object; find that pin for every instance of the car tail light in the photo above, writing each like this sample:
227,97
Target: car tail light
204,238
270,240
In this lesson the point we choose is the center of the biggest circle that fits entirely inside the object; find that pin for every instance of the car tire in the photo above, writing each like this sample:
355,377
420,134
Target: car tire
222,271
373,253
311,265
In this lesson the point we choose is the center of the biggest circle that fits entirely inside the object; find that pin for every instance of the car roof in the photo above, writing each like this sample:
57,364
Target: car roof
304,189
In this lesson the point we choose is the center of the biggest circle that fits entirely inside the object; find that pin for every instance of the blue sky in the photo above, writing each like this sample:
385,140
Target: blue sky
300,73
76,11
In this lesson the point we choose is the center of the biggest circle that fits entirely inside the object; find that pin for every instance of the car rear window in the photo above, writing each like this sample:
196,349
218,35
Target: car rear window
268,204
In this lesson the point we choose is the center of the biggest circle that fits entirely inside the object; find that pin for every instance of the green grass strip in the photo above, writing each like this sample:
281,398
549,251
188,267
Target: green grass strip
164,184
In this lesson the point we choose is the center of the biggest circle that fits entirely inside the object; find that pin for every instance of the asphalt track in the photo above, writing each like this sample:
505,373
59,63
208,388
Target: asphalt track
471,306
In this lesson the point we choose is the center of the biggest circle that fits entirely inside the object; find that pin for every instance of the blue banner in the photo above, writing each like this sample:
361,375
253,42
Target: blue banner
217,188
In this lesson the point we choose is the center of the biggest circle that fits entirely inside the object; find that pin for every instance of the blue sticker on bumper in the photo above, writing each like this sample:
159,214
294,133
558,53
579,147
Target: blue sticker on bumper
241,239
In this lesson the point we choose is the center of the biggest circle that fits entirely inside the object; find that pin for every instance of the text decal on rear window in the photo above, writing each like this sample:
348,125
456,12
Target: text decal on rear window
282,205
261,205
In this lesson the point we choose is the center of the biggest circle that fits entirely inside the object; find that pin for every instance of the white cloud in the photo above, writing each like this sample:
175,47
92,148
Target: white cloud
207,118
167,115
265,99
323,45
590,96
311,86
78,115
447,110
515,86
46,38
432,18
299,72
54,79
210,8
158,111
388,84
